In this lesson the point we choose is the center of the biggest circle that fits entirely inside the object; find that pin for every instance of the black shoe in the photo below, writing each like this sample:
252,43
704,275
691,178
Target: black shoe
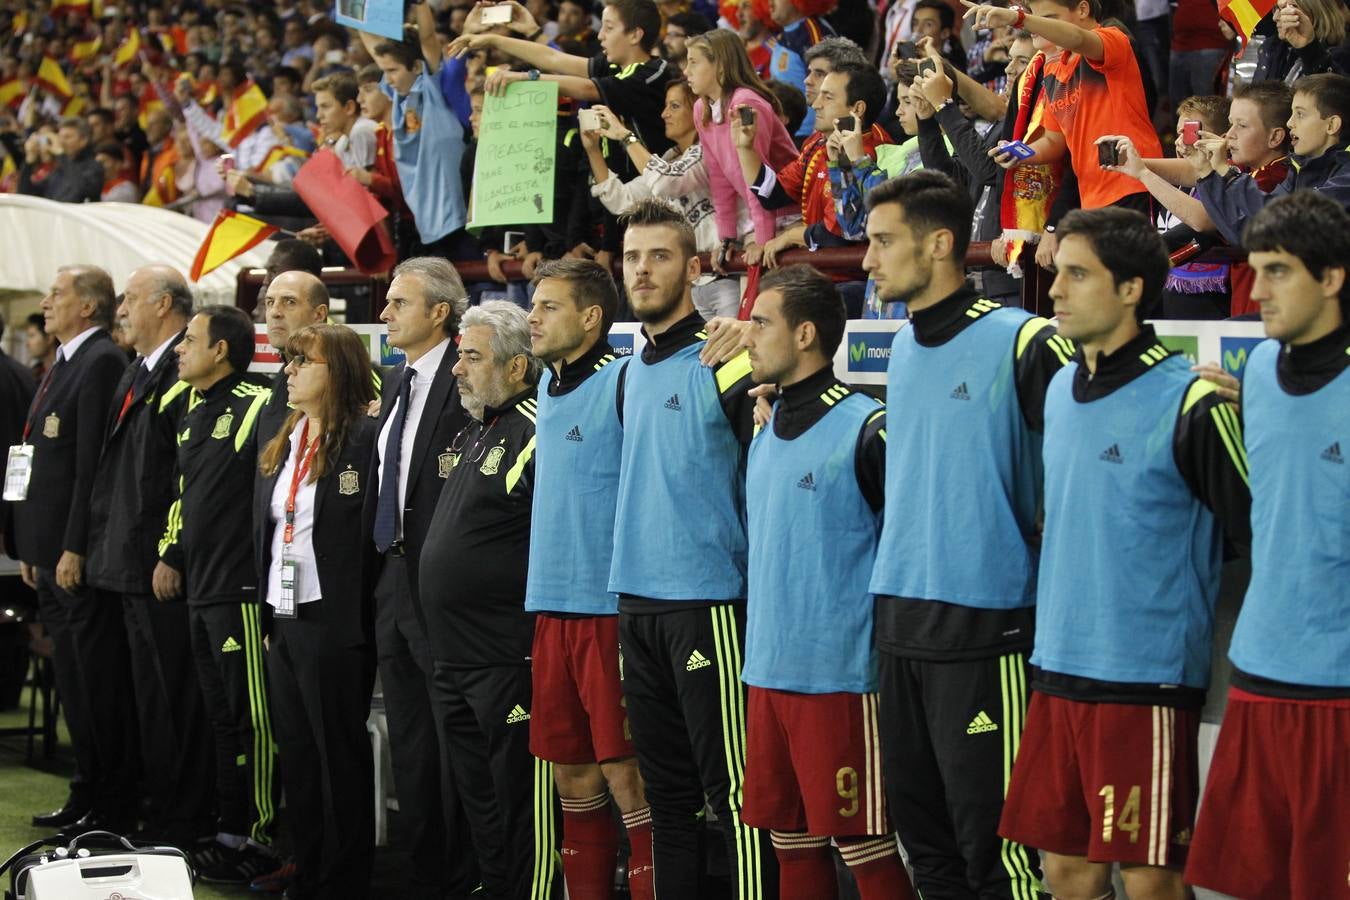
240,866
95,820
69,814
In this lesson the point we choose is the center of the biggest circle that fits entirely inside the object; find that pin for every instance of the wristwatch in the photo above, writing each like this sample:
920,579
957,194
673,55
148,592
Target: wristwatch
630,138
944,104
533,74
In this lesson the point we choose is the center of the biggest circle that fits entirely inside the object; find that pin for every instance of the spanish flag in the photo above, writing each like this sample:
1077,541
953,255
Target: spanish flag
149,104
61,6
127,50
164,189
52,79
231,234
82,50
73,107
1244,15
12,91
245,112
277,154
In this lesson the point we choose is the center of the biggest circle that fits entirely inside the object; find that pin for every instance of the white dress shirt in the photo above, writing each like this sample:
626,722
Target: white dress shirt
302,538
423,372
68,349
153,359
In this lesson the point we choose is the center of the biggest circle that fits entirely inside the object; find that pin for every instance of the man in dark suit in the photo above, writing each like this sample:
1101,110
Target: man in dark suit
420,416
293,300
64,428
128,515
16,395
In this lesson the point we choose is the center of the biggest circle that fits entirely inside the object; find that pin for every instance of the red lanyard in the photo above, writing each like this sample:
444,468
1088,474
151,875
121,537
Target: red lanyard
297,476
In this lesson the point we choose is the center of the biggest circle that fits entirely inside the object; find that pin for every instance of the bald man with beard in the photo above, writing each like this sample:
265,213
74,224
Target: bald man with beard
132,494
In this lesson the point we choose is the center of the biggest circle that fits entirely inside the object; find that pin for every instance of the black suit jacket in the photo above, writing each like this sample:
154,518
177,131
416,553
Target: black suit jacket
16,395
443,417
342,547
67,438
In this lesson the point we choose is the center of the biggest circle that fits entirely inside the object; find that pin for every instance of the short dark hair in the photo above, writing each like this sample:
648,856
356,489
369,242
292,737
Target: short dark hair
1330,93
584,5
403,53
865,84
79,124
639,14
693,23
657,213
930,200
1128,245
289,72
111,148
342,85
236,68
370,74
101,113
38,321
1273,100
1310,226
810,296
589,283
946,15
792,100
233,326
294,255
96,286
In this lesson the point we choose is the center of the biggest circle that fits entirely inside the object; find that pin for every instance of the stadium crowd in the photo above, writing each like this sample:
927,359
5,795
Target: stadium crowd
622,608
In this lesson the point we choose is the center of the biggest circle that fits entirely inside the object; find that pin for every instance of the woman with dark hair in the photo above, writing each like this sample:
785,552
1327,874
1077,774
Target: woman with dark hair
315,565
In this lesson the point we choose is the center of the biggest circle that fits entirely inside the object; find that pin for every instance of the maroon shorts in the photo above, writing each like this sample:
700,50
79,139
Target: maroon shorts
813,764
1275,821
1113,782
578,713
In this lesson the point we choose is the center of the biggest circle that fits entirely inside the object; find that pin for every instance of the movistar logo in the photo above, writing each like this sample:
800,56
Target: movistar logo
230,645
961,392
1333,454
869,351
807,482
1112,454
517,714
696,661
673,402
574,434
981,724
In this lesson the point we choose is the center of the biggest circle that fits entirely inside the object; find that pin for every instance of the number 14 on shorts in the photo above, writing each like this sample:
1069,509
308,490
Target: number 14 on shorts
1127,821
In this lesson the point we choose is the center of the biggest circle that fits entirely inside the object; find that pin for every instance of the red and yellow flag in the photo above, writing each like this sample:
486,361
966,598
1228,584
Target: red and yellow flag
149,104
82,50
52,79
231,234
1245,14
277,154
7,169
74,106
128,49
245,112
67,6
12,91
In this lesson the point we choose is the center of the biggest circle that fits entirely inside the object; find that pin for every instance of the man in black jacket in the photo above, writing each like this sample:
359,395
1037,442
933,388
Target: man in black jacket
293,300
64,430
78,177
420,416
16,394
127,517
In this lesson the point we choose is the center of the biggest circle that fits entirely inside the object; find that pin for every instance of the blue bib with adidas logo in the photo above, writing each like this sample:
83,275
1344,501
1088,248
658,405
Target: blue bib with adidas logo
963,471
1295,621
813,538
679,530
1130,558
578,443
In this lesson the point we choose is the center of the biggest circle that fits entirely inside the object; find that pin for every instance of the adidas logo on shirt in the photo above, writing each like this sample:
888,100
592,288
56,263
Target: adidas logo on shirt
808,482
961,393
673,402
1112,454
696,661
230,645
574,434
516,715
981,724
1333,454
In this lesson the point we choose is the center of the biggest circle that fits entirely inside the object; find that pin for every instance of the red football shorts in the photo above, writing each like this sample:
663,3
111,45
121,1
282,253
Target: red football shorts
813,764
1113,782
578,713
1275,821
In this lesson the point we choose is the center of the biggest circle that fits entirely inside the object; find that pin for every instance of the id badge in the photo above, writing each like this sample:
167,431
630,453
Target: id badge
290,585
18,469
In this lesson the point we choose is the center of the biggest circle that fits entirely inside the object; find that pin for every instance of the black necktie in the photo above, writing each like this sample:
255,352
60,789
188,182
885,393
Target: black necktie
386,509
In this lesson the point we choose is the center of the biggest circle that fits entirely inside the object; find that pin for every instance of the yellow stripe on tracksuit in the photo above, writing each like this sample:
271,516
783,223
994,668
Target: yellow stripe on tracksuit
545,839
260,714
727,650
1012,672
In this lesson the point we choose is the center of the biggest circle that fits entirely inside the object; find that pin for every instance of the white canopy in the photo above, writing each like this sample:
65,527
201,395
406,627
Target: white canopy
38,236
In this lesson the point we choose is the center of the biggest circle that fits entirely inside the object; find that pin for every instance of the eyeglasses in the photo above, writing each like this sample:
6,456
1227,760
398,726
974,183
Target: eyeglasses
299,360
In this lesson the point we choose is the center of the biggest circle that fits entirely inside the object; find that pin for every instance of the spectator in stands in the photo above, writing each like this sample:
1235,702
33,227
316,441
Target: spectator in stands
117,188
802,28
1309,39
76,177
193,184
40,346
821,59
158,148
1199,51
298,52
679,28
249,141
720,74
793,102
100,126
936,20
576,29
382,178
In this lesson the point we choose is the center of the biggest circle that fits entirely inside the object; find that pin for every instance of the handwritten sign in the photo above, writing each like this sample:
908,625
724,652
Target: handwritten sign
382,17
514,167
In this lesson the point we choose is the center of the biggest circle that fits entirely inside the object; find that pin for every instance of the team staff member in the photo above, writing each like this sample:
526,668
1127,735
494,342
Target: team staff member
207,554
127,517
17,386
1274,825
679,566
579,723
64,428
315,572
293,300
473,583
420,416
814,496
955,575
1146,477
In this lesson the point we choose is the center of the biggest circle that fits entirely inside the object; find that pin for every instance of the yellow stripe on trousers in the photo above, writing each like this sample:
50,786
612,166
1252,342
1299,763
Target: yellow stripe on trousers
1013,679
545,856
260,716
727,649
